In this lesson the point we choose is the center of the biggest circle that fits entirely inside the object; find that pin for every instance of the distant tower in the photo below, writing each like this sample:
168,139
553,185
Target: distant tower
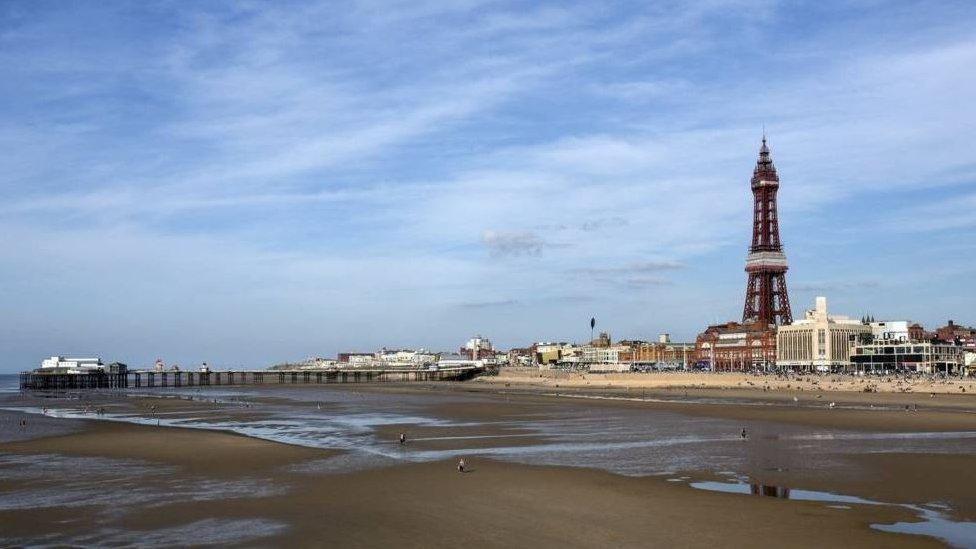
766,299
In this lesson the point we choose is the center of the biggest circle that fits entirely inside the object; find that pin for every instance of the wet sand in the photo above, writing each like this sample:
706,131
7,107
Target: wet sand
431,505
268,493
209,452
884,412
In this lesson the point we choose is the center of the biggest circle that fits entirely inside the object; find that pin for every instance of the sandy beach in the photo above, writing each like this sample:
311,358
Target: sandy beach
174,486
418,505
733,380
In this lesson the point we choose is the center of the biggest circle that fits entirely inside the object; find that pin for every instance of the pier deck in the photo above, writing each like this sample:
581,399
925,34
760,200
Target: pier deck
150,379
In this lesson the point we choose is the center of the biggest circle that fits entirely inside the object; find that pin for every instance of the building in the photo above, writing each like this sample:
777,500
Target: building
917,332
354,359
549,353
904,356
602,340
457,360
819,342
385,358
617,358
406,358
520,356
664,353
359,360
317,363
892,330
477,348
962,335
751,344
72,365
735,347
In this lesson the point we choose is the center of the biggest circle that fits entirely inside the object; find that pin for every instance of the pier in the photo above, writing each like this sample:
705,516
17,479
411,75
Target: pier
151,379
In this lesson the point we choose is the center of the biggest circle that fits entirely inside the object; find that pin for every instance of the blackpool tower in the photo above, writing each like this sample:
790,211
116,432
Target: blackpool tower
767,302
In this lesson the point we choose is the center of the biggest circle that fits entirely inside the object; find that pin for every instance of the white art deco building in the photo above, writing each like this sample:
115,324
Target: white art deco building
819,342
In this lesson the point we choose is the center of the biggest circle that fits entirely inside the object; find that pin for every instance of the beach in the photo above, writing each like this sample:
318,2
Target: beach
584,469
793,383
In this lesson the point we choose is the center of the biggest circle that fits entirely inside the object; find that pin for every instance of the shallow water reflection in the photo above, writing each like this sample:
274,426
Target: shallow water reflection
932,521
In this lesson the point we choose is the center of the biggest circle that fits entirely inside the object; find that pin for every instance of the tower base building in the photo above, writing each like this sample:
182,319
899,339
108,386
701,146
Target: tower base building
735,347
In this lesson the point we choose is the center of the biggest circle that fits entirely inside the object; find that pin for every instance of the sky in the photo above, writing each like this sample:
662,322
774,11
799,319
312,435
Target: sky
246,183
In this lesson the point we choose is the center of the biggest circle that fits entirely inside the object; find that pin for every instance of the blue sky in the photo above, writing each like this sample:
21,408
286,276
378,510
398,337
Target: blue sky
250,182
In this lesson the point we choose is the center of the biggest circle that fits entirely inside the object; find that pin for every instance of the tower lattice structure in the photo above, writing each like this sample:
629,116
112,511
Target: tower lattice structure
767,302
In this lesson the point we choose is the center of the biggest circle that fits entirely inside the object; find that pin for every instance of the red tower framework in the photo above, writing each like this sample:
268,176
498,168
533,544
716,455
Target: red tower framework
767,302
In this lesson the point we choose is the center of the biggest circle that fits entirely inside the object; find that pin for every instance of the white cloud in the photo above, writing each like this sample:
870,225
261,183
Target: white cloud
345,163
506,244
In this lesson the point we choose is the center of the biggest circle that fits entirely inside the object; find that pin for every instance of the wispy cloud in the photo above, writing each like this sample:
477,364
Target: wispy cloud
835,286
488,304
507,244
633,268
380,171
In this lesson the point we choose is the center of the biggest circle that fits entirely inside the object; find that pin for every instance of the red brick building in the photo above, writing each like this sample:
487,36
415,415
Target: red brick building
954,333
735,347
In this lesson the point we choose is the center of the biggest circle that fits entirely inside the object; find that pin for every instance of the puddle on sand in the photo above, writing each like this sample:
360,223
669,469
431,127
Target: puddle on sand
932,522
936,525
782,492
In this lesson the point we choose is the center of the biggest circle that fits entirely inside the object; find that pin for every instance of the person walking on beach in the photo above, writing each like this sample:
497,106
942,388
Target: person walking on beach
744,434
403,439
461,465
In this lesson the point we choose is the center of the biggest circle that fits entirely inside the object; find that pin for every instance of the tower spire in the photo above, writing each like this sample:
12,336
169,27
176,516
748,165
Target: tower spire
765,169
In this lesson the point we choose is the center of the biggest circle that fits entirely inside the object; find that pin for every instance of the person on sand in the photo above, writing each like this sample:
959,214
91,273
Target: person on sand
744,434
461,465
403,439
